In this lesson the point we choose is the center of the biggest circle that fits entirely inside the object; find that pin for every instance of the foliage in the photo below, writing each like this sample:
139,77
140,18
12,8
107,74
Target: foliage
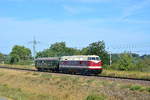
135,87
1,57
130,61
19,53
95,97
143,64
97,48
125,62
58,49
148,89
14,58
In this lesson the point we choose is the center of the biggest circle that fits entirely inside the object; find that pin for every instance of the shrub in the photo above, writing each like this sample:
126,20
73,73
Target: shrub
135,87
95,97
148,89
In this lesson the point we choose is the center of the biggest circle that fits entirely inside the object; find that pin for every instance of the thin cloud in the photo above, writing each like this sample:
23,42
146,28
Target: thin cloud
77,10
137,21
89,1
134,9
16,0
81,1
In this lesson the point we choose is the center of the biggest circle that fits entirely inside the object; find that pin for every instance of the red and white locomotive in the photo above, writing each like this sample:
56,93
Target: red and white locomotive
87,64
81,63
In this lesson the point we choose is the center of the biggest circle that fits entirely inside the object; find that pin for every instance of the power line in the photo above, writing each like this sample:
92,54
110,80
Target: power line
34,43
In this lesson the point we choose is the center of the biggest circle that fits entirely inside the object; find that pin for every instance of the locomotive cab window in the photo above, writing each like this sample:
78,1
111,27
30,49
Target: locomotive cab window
97,58
93,58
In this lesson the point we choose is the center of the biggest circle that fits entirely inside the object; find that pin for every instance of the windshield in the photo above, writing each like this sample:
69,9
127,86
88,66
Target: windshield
93,58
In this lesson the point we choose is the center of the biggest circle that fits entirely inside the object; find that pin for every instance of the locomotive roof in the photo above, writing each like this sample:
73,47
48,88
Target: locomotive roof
48,58
82,56
77,57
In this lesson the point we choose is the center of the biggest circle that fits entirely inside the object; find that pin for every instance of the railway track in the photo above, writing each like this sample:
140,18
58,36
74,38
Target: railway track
101,76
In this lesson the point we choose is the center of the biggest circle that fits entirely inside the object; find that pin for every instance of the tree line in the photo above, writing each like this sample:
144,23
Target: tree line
124,61
21,54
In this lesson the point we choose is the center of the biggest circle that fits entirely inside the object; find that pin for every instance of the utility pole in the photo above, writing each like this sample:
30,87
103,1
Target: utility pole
110,57
34,43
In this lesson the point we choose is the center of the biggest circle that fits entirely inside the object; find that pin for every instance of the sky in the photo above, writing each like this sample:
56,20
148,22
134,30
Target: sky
120,23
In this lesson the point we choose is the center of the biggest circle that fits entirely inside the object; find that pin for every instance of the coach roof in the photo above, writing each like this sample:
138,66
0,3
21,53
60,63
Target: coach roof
49,58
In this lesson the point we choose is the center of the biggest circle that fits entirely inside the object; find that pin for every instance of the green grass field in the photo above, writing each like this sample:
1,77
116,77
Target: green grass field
22,85
128,74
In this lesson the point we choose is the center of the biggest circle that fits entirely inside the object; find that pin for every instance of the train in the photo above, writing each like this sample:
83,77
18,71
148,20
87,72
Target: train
82,64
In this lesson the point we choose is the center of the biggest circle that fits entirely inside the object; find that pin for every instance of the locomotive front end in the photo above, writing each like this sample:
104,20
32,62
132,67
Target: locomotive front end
94,65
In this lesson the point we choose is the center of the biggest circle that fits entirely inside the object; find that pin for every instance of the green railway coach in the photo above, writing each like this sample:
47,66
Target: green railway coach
51,63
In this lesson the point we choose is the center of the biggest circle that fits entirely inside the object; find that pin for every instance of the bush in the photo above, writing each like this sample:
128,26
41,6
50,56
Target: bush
95,97
148,89
130,62
135,87
25,62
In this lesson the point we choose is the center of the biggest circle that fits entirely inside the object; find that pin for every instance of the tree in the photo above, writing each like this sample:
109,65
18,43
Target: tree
97,48
144,64
126,62
1,57
58,49
19,53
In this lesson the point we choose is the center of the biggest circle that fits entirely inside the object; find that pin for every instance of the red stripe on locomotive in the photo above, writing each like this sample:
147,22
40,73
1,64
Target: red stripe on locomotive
93,63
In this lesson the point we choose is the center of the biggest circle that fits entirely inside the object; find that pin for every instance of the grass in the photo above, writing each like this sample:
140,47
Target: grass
95,97
128,74
18,66
106,72
21,85
18,94
135,87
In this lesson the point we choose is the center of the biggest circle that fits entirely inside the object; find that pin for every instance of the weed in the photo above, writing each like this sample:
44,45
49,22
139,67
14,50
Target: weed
1,74
113,84
74,79
104,83
125,86
64,78
35,74
27,73
90,81
129,74
135,87
142,89
13,93
95,97
46,76
18,94
61,86
148,89
45,97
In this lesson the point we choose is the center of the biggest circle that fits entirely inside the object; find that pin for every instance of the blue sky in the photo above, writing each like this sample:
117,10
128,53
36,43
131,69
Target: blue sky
119,23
